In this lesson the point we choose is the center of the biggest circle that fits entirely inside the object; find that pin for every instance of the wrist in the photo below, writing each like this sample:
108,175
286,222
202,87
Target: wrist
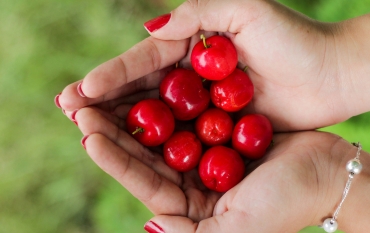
355,210
353,215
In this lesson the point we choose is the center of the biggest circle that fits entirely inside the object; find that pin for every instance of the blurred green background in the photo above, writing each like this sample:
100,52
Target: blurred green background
47,182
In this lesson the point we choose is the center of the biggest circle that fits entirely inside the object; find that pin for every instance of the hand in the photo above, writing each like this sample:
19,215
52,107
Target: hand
298,183
295,63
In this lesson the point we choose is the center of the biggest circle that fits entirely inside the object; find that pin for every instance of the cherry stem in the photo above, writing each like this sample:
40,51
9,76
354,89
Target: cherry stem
204,41
245,69
138,130
203,80
177,65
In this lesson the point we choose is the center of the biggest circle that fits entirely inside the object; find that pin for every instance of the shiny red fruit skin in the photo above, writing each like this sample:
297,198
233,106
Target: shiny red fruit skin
214,127
182,151
232,93
217,61
156,120
221,168
252,135
182,90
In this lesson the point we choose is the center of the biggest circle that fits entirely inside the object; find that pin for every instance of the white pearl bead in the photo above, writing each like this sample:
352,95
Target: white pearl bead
330,225
354,166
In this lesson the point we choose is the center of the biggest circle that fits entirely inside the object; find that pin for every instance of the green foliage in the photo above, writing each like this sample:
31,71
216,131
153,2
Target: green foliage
48,183
330,10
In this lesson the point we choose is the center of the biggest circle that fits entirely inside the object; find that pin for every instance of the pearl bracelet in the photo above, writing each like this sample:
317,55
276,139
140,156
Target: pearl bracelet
354,167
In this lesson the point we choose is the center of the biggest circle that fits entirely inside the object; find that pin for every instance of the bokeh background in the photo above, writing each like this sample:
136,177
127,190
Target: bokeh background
47,182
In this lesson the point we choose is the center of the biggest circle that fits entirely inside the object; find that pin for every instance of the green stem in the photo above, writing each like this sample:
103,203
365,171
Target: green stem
204,41
138,130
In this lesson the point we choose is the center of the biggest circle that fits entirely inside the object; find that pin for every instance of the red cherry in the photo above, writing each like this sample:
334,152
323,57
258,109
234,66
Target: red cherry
182,90
182,151
232,93
221,168
252,135
214,58
214,127
150,122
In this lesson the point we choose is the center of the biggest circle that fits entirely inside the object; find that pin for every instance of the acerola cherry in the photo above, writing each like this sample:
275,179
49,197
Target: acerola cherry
182,151
232,93
150,122
214,58
182,90
252,135
221,168
214,127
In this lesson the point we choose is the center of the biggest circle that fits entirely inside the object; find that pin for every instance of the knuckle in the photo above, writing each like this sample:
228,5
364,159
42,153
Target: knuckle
154,55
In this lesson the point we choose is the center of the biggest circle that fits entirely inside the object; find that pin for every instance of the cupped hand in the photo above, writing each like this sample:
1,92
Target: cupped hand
298,183
142,170
292,62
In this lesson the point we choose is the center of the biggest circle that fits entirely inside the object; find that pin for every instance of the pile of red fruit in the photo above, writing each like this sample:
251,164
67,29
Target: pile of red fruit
184,98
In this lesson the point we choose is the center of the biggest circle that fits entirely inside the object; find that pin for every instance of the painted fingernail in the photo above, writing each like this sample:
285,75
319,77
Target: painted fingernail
157,23
83,140
151,227
73,116
79,90
56,100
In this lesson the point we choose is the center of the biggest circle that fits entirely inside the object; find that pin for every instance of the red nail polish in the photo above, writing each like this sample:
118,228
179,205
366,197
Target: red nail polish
73,116
56,100
83,140
157,23
151,227
79,90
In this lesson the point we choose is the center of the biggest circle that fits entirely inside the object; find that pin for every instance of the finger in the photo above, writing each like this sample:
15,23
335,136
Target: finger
230,221
71,100
156,192
136,97
193,15
71,115
236,221
91,121
144,58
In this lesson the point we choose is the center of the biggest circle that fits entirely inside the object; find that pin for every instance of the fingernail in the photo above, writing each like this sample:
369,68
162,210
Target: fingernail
157,23
56,100
83,140
151,227
73,116
79,90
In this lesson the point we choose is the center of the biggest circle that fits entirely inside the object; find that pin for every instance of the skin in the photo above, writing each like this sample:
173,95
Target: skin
321,66
298,183
307,74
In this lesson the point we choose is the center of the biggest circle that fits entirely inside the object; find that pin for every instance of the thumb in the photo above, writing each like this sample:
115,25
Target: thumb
209,15
235,221
230,221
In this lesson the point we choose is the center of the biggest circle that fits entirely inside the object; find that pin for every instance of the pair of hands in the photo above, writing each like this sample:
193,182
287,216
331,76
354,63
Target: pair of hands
294,65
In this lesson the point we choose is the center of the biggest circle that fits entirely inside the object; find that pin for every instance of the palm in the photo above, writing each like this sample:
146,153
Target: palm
284,177
298,167
156,185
